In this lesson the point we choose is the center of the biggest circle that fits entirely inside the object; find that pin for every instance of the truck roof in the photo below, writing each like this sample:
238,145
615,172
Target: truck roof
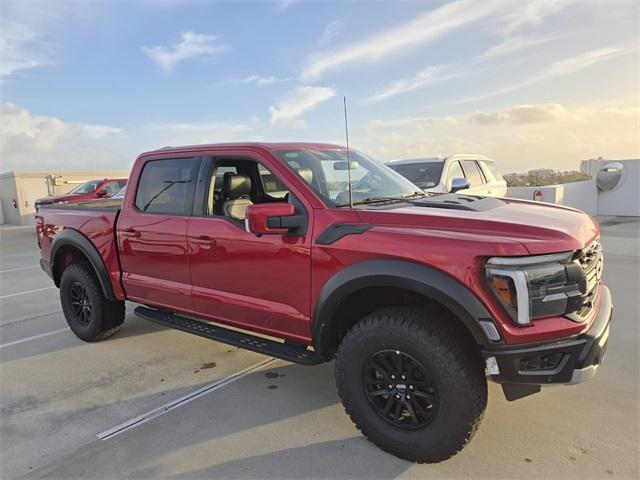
440,158
271,146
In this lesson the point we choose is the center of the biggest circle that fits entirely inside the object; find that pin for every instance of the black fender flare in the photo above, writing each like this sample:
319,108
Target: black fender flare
75,239
403,274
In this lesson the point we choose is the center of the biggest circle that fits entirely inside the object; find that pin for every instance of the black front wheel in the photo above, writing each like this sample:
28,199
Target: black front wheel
412,383
90,315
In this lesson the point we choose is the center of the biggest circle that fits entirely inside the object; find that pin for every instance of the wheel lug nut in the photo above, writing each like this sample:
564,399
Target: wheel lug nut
408,396
410,387
390,386
403,377
393,377
397,396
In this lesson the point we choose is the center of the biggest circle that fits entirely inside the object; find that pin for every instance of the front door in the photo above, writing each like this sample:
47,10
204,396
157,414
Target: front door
152,234
260,283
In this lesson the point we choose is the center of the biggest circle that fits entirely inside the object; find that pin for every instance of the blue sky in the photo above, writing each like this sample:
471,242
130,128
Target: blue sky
540,83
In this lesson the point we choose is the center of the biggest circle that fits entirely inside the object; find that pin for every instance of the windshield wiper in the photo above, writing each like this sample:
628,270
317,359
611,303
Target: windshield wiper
381,199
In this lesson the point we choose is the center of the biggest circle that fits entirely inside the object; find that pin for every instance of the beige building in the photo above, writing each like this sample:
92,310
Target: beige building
20,189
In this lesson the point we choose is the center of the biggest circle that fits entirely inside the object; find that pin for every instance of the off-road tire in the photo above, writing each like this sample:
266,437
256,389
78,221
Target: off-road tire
105,317
454,366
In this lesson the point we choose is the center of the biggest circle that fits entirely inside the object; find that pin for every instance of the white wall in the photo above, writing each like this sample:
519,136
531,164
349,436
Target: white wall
624,200
580,195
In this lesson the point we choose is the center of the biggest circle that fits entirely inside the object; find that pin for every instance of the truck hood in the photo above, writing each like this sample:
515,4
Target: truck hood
540,227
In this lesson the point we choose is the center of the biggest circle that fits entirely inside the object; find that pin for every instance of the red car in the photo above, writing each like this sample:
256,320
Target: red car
90,190
327,254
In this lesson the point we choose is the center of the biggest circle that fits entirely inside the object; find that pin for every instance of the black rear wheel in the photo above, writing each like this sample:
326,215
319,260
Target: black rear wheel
90,315
412,383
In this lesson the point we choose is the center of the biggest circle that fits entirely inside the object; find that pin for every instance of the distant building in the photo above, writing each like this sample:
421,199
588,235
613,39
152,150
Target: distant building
20,189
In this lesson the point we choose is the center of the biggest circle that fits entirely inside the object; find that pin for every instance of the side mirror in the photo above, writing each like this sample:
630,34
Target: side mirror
459,184
272,218
101,193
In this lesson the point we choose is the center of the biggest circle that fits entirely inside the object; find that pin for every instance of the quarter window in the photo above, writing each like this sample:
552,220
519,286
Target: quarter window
166,186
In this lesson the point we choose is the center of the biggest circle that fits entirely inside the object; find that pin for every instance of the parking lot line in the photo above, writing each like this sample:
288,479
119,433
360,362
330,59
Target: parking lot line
156,412
26,292
19,268
28,339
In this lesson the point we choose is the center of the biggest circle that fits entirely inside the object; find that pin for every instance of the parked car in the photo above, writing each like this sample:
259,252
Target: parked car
102,187
417,297
120,193
470,174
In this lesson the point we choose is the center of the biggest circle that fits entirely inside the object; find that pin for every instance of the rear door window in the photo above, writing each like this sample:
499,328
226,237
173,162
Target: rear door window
473,173
167,186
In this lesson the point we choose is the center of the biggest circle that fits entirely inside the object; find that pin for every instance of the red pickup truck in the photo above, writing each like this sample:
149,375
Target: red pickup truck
99,188
311,252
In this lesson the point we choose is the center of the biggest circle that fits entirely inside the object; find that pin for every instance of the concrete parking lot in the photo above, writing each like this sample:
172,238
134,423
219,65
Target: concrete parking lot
153,402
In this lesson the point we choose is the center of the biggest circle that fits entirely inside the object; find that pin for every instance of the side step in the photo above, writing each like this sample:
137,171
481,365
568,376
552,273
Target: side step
285,351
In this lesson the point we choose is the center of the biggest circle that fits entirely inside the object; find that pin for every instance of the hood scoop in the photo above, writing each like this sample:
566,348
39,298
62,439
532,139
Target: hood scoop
453,201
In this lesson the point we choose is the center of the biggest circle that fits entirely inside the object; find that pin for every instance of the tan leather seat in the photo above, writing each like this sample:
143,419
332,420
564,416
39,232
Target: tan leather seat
236,189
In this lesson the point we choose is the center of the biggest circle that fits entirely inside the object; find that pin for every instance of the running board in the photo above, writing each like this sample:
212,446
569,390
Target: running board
285,351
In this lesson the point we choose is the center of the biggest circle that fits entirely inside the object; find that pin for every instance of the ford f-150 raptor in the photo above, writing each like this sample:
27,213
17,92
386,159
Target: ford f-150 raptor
311,252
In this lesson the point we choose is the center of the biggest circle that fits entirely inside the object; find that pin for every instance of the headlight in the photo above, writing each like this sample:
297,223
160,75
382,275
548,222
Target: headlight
537,286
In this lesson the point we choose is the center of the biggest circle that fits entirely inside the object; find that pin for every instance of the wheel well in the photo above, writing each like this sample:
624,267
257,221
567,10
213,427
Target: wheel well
65,256
369,299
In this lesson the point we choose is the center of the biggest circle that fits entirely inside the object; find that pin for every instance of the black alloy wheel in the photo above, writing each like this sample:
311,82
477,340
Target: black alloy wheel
400,389
81,303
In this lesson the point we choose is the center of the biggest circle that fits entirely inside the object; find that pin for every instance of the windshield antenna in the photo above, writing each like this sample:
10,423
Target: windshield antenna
346,134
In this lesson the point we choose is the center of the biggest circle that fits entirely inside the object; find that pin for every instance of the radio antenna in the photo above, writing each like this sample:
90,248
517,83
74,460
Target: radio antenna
346,134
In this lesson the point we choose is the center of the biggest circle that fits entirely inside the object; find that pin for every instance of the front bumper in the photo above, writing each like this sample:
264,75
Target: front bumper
567,361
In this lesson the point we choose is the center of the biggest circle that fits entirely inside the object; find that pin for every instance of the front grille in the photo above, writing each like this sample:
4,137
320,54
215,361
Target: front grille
591,261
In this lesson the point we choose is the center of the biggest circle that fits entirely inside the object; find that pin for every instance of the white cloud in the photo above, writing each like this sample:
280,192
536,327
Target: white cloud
586,59
518,137
192,45
298,101
30,141
21,48
521,114
284,4
559,68
530,13
330,31
26,32
257,80
422,79
427,27
439,73
514,44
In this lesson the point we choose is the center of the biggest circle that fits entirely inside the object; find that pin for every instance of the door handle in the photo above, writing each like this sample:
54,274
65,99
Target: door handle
204,240
130,233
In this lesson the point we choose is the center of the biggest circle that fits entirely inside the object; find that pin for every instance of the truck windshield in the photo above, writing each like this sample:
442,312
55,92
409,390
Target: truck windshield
327,172
87,187
424,175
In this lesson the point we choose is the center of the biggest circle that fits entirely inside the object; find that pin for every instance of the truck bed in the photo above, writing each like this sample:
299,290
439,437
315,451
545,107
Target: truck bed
95,220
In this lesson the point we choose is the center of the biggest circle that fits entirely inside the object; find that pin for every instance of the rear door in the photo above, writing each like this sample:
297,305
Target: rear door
152,233
473,173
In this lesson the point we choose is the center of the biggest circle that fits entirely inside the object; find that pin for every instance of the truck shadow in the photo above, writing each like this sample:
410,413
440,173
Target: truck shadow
221,425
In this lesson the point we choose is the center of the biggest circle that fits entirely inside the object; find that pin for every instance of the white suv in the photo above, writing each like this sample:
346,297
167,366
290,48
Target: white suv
469,174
